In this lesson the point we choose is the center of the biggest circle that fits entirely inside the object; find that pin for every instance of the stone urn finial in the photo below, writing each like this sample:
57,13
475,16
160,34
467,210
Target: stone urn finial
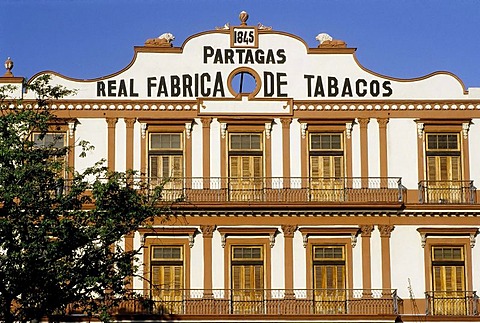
243,18
8,67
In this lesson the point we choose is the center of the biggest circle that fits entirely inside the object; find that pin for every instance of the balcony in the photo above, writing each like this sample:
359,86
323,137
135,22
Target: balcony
447,192
288,190
264,302
463,303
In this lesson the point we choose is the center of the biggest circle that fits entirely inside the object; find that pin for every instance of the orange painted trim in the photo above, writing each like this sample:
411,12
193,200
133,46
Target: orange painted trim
383,143
286,149
364,146
129,123
111,126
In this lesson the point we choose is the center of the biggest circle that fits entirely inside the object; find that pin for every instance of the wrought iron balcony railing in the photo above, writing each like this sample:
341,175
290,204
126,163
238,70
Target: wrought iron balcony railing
266,302
447,192
452,303
278,189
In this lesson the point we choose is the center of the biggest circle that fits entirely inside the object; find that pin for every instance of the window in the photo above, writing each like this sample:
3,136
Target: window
167,277
166,163
444,171
246,166
54,141
326,167
448,272
247,268
329,279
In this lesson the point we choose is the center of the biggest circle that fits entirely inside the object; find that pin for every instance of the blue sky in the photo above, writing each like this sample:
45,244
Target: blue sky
92,38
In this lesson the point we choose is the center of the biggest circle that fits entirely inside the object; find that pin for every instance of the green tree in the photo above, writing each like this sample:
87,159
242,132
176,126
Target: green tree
59,236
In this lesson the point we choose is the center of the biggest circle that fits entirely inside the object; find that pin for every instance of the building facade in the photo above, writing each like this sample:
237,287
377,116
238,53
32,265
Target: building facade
305,186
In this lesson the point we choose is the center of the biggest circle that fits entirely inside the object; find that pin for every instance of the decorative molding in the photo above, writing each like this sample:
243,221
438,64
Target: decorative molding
71,128
366,230
465,128
333,231
188,129
304,127
174,231
289,230
241,231
268,129
261,26
448,232
385,230
223,129
420,129
143,129
348,129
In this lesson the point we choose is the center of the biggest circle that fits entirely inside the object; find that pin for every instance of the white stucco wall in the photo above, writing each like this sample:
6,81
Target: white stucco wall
214,148
473,147
356,159
299,262
376,259
357,265
373,149
277,149
120,145
295,151
137,146
196,264
197,147
402,151
95,132
218,263
407,261
278,262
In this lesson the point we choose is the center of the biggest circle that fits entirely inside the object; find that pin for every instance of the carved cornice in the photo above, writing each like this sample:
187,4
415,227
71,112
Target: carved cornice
241,231
175,231
448,232
289,230
387,106
366,230
333,231
385,230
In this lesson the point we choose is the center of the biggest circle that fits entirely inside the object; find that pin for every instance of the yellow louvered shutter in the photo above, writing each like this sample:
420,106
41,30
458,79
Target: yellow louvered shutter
444,168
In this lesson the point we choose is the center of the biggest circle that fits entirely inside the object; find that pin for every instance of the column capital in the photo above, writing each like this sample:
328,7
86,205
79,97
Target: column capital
206,121
286,122
385,230
363,122
366,230
207,230
129,122
111,122
382,122
289,230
